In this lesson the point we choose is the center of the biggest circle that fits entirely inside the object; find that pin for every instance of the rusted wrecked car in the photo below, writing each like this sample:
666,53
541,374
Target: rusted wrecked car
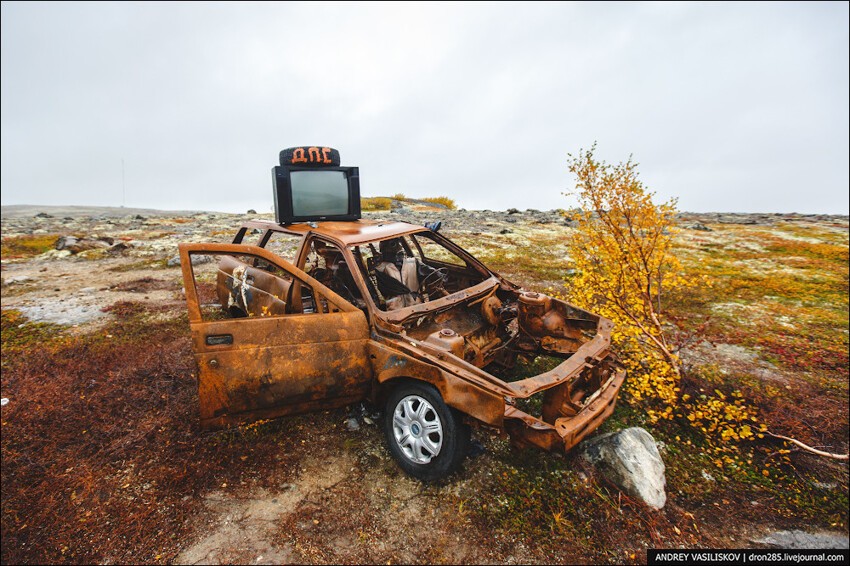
316,311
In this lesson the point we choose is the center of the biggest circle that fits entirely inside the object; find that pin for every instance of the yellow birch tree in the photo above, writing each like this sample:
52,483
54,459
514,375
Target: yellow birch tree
625,268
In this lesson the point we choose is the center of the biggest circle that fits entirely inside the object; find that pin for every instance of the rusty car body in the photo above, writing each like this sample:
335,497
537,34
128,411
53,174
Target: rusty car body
302,319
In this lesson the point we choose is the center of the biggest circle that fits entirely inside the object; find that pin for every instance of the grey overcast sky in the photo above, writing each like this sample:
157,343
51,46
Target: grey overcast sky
727,106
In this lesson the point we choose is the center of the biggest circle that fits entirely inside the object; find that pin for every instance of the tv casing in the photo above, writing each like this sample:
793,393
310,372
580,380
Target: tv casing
283,194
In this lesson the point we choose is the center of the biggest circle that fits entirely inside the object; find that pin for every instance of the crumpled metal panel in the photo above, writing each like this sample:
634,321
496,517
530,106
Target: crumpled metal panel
275,361
565,432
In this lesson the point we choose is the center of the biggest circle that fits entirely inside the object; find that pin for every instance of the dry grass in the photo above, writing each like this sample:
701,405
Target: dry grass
102,455
103,459
18,247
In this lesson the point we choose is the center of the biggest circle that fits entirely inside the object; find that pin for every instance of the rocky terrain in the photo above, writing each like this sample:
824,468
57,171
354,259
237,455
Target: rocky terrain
62,286
103,460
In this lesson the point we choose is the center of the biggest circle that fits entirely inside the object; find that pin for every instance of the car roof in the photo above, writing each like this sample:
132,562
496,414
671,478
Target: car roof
348,233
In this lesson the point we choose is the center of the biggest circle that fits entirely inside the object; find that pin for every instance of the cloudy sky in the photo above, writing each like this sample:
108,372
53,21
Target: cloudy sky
729,107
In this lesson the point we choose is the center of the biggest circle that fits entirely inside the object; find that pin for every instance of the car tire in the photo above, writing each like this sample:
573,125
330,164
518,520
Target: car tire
427,438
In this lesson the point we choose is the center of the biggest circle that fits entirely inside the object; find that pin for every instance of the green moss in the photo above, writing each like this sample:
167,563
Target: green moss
532,257
18,333
15,247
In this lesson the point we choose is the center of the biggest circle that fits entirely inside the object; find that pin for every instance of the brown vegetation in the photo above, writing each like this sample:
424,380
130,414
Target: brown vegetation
103,459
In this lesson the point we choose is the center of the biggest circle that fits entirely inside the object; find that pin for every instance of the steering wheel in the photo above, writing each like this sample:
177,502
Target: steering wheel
436,277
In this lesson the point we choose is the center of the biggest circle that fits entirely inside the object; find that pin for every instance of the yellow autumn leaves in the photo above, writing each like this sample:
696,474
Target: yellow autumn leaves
625,270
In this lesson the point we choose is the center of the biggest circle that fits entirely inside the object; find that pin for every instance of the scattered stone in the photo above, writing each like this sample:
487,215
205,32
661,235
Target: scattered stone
63,310
802,539
43,215
630,460
351,424
506,231
513,211
251,211
15,279
196,260
699,226
76,245
65,242
55,254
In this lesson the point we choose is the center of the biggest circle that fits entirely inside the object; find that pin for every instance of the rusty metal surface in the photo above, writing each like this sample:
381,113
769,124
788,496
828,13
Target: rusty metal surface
281,359
266,365
276,361
566,432
392,363
345,233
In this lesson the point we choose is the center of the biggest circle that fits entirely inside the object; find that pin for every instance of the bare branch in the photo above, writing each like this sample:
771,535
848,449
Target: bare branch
808,448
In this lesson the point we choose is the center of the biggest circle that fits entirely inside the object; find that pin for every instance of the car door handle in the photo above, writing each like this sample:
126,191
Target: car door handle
219,339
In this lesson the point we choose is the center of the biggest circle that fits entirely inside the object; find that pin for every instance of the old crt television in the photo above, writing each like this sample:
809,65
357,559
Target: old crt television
309,184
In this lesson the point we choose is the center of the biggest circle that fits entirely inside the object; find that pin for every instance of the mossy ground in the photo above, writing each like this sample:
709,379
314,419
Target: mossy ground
19,247
103,459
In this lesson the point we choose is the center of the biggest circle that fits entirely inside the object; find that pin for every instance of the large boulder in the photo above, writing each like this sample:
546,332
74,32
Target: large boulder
630,460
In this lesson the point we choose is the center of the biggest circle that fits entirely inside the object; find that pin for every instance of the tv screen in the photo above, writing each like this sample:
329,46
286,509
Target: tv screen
319,193
303,194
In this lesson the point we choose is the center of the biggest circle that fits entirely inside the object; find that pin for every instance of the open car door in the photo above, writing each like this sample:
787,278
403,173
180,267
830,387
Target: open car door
269,339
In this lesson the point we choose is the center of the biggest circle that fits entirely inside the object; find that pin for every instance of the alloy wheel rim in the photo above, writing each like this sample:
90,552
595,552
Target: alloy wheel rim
417,429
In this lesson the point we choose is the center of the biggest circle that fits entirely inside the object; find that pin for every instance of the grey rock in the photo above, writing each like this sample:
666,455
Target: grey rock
76,245
802,539
251,211
700,226
15,279
55,254
118,248
196,260
630,460
65,242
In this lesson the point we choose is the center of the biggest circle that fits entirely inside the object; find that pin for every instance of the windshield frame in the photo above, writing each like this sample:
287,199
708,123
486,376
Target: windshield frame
397,316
